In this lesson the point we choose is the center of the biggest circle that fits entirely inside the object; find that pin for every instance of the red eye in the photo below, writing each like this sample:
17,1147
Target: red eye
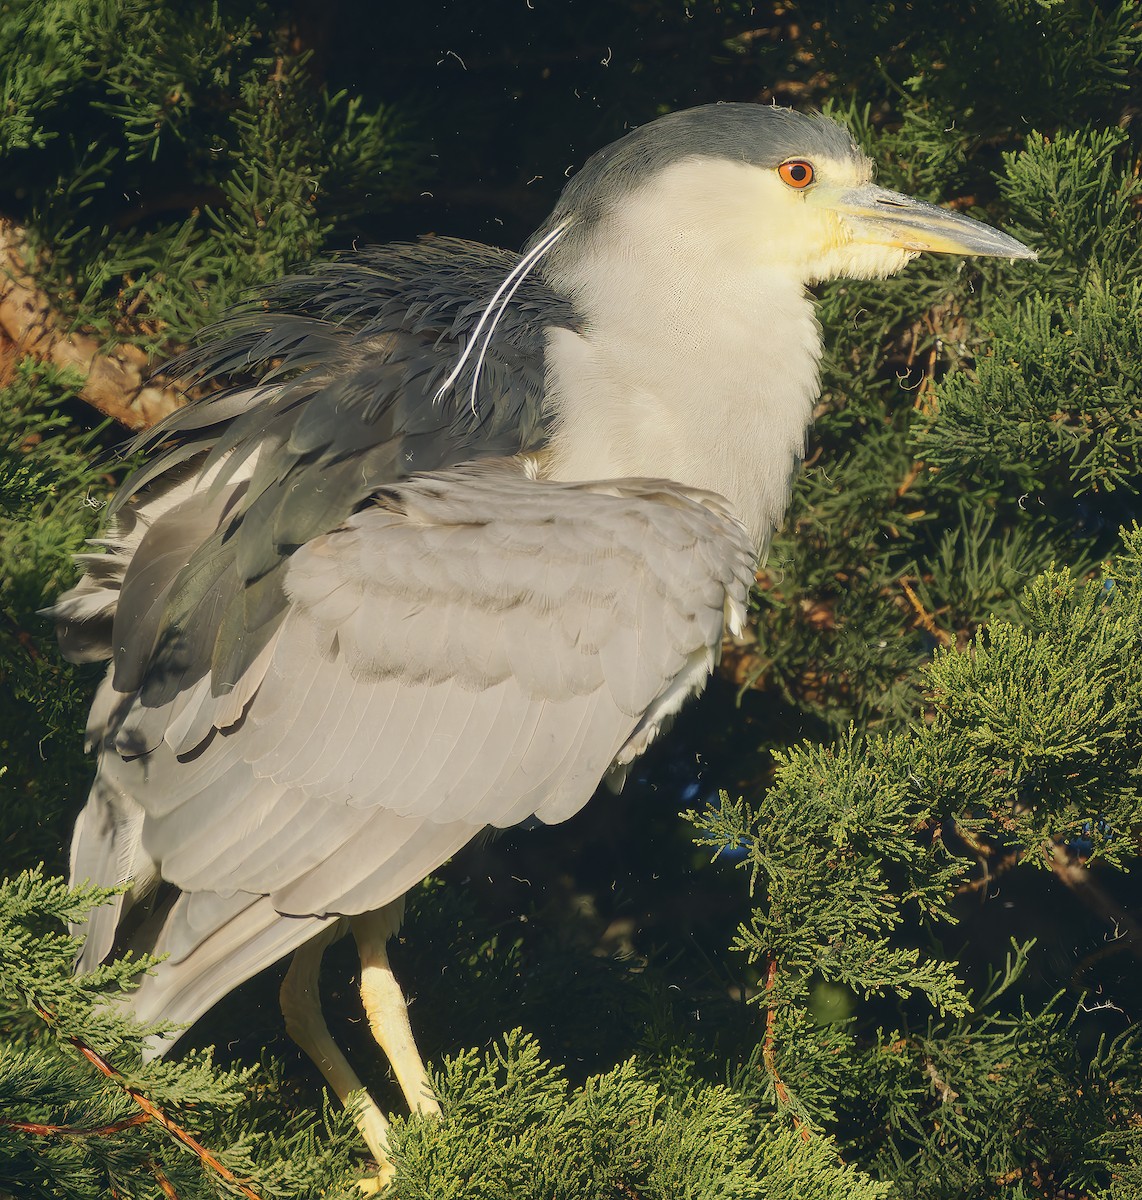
796,172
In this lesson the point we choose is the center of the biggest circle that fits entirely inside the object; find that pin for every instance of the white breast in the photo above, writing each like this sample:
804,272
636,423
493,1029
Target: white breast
699,358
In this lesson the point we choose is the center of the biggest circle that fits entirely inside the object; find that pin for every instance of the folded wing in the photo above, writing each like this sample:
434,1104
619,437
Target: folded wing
470,648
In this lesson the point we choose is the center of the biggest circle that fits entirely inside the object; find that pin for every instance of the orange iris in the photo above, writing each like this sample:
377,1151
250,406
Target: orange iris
797,172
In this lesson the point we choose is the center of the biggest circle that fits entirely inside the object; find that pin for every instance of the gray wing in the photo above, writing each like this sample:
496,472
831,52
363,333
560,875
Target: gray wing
349,360
473,647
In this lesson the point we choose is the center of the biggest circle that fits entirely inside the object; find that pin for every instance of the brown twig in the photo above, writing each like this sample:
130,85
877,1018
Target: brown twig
34,1127
1077,876
768,1057
180,201
914,473
991,870
157,1115
924,617
164,1183
939,1085
114,378
152,1112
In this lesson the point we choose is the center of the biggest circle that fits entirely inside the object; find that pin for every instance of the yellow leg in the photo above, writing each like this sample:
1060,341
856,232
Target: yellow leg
301,1006
387,1009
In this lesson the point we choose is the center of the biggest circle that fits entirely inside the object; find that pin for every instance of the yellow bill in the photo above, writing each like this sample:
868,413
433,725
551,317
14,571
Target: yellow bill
879,217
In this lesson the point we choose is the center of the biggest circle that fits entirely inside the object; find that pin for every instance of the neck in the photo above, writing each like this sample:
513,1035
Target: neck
655,378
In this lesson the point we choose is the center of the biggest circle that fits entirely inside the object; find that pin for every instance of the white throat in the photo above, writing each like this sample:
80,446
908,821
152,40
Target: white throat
684,340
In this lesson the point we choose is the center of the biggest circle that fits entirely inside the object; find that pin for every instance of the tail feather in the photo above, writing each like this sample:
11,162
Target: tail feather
248,935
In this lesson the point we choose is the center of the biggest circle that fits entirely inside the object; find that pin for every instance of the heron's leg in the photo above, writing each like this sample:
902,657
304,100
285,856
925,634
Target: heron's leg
305,1023
386,1007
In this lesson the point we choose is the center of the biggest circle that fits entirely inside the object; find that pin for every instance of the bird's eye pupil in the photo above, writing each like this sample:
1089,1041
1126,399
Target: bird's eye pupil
798,173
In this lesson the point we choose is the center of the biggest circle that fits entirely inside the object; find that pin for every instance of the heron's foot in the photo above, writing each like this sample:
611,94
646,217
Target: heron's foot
376,1184
387,1009
374,1127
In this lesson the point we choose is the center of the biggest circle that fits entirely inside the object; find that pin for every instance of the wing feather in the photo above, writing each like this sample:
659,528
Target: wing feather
471,648
187,845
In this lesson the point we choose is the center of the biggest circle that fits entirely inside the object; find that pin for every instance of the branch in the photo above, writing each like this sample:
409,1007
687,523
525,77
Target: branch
34,1127
1077,876
152,1112
156,1114
115,377
164,1183
768,1054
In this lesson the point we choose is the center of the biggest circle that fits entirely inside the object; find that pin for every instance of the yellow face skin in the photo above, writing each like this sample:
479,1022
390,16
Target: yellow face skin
716,217
846,226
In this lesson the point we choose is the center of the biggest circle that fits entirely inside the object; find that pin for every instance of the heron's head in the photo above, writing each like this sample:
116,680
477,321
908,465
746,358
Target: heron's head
732,186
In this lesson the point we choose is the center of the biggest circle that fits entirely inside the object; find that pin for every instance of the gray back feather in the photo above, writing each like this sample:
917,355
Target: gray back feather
350,358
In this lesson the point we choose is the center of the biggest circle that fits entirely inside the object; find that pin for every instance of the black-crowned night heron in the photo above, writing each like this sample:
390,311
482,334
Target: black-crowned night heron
464,549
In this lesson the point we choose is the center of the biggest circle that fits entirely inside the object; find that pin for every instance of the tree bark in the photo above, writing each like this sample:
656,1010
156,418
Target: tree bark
115,377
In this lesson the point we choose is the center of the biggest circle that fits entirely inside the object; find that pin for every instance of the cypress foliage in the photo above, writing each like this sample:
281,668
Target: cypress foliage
941,707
